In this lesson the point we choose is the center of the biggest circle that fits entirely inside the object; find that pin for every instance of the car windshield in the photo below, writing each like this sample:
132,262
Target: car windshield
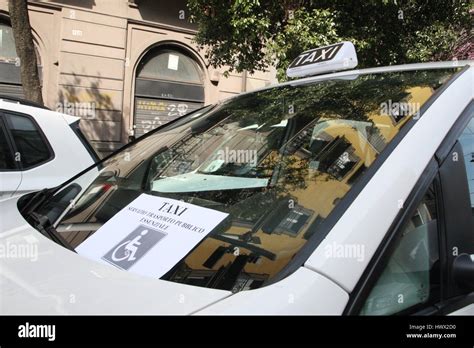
278,161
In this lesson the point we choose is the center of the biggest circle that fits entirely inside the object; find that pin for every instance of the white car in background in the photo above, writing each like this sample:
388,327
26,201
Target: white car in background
39,148
345,193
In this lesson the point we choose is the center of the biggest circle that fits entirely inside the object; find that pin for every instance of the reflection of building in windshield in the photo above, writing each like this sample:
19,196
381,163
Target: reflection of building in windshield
324,157
225,150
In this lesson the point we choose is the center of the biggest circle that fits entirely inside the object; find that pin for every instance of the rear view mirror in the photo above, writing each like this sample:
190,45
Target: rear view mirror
463,270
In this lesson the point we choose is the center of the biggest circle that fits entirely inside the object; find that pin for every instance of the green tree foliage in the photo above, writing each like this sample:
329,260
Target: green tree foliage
253,34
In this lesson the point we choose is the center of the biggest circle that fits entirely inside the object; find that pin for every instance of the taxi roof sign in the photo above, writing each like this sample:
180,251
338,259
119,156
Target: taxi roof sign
340,56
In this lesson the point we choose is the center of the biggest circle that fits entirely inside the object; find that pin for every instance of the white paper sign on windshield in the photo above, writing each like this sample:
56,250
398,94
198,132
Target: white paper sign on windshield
150,235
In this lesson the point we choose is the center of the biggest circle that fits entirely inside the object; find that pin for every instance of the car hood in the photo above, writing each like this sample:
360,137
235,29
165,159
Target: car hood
38,276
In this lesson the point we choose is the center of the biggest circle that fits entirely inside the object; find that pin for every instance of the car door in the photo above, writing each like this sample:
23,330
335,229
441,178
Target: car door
404,276
412,271
10,174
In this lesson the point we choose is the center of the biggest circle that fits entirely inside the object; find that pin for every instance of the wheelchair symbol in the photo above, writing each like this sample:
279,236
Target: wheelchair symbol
126,251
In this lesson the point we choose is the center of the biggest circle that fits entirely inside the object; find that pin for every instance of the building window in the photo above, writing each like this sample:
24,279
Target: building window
7,43
169,84
172,66
10,81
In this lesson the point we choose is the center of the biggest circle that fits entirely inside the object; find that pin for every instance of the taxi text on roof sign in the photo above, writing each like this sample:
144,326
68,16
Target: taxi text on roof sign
340,56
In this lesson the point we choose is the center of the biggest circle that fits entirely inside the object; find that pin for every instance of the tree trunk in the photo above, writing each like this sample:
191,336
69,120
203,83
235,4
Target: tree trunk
25,50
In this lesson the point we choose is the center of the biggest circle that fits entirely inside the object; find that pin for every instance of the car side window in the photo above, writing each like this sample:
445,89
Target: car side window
467,143
412,275
28,139
7,161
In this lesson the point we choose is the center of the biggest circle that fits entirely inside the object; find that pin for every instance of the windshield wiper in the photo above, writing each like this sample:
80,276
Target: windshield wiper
247,245
35,201
43,225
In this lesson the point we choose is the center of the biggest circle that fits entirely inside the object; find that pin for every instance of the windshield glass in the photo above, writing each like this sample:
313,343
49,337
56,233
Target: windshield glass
277,161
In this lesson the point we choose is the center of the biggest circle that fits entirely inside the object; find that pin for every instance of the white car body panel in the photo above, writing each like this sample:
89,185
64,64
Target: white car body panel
54,280
9,183
361,225
302,293
468,310
70,157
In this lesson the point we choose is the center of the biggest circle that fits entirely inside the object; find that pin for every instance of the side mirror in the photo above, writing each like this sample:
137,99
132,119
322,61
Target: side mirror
463,270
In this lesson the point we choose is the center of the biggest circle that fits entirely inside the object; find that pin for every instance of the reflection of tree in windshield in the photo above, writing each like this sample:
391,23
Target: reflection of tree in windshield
278,161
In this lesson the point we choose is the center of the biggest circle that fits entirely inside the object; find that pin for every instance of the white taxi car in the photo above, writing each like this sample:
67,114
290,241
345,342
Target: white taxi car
38,147
345,193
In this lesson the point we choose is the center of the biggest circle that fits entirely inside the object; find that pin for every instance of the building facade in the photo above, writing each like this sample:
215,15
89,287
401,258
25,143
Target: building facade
124,66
